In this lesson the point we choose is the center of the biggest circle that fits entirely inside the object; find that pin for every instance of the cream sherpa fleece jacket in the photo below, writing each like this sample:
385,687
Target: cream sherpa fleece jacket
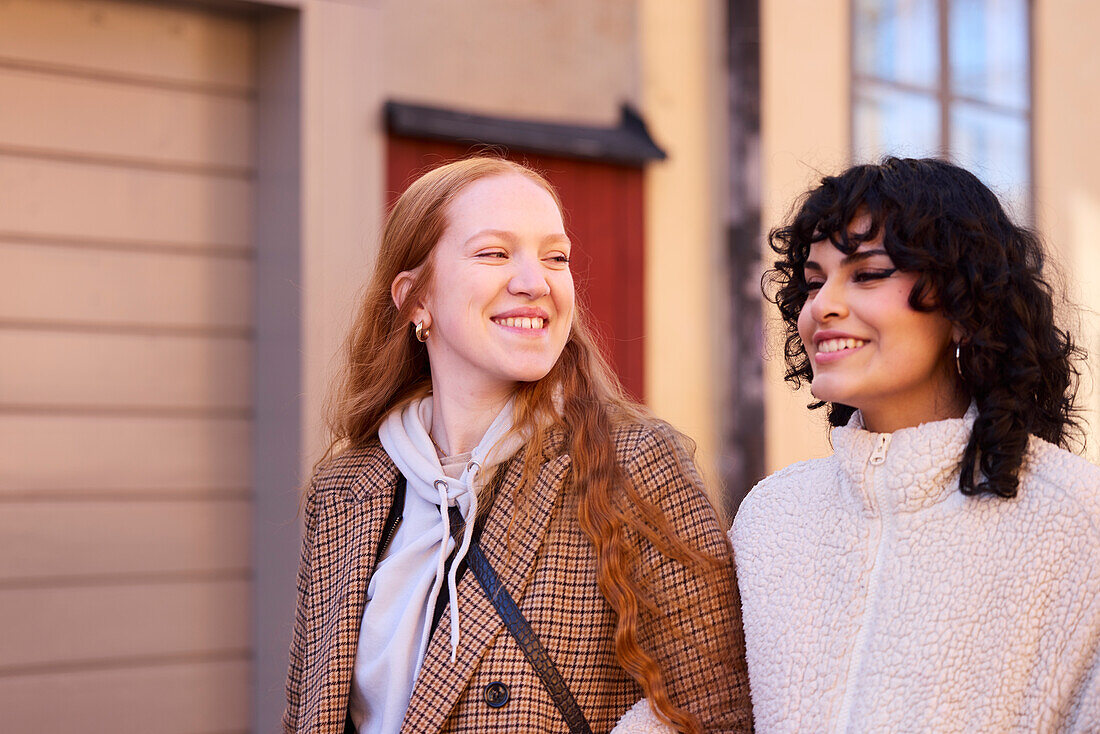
877,597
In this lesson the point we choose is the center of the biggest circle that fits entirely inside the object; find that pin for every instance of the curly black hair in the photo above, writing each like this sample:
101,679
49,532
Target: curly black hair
984,273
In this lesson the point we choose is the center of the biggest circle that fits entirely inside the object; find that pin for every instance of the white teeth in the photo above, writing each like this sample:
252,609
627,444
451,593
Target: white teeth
835,345
522,322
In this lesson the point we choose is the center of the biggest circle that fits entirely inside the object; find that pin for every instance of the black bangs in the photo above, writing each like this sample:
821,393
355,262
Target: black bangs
829,212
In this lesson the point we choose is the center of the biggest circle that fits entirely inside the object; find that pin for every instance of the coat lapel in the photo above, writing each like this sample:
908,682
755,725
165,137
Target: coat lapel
349,531
441,682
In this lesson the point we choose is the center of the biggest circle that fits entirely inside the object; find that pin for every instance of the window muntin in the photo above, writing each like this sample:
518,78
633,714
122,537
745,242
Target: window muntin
946,78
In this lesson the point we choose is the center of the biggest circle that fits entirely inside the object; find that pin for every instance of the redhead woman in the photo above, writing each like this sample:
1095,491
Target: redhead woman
941,570
498,540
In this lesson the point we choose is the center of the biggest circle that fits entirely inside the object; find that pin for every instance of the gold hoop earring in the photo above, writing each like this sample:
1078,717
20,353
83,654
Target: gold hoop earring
422,334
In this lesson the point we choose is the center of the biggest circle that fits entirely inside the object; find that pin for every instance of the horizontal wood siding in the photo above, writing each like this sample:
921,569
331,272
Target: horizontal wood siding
123,122
126,325
111,290
146,372
180,697
141,42
72,453
100,539
64,626
116,205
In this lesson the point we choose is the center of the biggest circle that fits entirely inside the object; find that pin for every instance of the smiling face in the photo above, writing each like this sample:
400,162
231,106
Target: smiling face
500,304
868,347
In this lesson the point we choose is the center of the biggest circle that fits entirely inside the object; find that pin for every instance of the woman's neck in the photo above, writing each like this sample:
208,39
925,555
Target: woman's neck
460,420
893,416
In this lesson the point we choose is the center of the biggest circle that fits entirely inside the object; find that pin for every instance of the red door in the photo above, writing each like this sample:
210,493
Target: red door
603,216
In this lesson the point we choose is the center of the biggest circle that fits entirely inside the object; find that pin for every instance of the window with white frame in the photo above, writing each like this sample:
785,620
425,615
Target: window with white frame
946,78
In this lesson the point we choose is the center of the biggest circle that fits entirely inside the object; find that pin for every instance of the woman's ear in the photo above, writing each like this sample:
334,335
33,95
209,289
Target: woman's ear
402,284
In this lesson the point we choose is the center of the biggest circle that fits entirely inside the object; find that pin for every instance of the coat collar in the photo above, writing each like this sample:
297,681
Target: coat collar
349,529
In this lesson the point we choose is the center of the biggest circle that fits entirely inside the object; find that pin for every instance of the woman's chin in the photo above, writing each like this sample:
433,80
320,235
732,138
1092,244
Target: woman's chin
827,391
531,371
820,390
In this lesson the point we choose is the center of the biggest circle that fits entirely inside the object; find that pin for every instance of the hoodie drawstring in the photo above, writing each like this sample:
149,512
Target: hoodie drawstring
464,546
452,584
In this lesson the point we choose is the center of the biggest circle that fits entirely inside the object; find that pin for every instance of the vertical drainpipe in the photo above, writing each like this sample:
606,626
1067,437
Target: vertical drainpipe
742,432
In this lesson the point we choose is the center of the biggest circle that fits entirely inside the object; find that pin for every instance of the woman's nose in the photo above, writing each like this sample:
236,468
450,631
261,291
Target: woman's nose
829,302
528,279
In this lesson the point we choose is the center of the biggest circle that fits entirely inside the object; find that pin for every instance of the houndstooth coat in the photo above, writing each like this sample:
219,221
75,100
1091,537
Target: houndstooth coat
548,565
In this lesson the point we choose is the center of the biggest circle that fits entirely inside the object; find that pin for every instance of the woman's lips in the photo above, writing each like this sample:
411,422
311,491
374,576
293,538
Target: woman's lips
837,348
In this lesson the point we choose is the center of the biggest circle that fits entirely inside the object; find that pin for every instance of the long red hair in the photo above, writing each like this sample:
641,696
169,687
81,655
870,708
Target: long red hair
386,367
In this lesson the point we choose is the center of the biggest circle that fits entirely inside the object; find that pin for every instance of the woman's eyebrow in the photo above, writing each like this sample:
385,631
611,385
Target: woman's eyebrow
512,237
861,255
855,257
498,233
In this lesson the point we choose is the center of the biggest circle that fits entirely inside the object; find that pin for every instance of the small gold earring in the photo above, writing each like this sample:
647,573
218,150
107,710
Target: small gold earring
422,334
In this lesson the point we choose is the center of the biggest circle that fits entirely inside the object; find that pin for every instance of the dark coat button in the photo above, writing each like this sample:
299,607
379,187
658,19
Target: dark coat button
496,694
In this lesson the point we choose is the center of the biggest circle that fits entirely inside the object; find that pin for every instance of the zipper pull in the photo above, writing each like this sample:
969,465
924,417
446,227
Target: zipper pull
879,455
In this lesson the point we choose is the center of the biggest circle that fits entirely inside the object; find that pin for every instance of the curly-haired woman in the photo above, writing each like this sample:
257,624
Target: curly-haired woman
941,570
478,431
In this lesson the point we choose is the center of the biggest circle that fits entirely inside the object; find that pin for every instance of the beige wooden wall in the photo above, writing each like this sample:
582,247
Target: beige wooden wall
125,383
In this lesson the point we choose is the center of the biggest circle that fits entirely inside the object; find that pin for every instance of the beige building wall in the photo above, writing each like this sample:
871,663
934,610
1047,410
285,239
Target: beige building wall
1066,67
343,187
804,135
569,61
684,98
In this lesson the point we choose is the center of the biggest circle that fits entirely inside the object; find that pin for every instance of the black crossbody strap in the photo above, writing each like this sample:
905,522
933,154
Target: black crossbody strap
527,640
513,618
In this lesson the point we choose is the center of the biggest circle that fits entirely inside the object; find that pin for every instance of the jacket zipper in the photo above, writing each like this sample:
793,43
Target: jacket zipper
387,537
885,533
393,520
878,456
